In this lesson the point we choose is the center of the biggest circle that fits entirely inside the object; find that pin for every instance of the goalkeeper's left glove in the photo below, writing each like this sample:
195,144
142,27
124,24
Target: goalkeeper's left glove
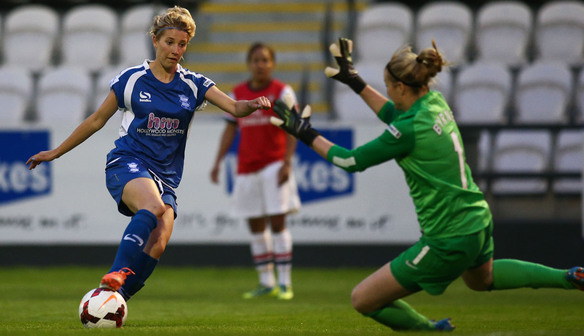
293,123
346,73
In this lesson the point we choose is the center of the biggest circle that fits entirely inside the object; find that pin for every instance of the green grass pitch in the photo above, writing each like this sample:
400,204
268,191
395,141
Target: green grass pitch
207,301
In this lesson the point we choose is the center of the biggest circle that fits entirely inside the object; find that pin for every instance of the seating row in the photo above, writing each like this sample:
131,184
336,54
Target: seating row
531,161
65,94
90,36
509,32
489,93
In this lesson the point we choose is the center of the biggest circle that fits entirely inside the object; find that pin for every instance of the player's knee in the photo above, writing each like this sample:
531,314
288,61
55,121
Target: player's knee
479,286
357,301
157,209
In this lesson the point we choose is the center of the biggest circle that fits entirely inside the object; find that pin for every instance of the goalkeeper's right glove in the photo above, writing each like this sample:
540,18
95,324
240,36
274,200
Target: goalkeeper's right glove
346,73
293,123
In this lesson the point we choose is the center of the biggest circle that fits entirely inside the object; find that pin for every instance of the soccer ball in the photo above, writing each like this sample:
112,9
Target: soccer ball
103,308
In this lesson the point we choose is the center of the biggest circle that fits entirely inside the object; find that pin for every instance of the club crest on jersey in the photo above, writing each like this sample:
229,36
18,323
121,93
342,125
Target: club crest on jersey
133,167
394,131
145,97
184,102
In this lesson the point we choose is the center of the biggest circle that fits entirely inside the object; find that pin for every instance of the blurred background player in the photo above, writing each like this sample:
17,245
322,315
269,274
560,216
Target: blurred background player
453,215
158,98
265,189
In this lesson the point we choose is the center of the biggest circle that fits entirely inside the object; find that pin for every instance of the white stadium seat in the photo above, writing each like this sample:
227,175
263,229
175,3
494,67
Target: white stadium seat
503,32
135,44
102,89
543,92
484,156
16,87
559,32
443,84
521,151
30,35
568,158
580,97
450,25
382,28
482,94
88,36
63,95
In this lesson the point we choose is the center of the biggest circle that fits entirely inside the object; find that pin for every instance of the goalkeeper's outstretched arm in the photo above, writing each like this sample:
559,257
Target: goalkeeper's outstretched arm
347,74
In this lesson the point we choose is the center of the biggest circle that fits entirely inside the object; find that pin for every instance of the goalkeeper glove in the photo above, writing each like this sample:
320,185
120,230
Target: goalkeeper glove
293,123
345,73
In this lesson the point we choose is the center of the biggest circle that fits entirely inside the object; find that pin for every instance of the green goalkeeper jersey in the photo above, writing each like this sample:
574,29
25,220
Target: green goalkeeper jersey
426,143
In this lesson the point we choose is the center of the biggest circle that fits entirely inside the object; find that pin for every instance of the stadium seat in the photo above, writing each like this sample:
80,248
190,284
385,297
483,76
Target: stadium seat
347,104
88,36
102,88
443,84
543,92
484,164
450,25
579,117
16,87
485,151
503,32
482,94
63,95
382,28
521,151
559,32
30,35
135,43
568,158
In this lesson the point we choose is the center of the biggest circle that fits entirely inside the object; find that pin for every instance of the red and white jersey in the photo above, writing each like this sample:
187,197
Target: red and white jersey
261,143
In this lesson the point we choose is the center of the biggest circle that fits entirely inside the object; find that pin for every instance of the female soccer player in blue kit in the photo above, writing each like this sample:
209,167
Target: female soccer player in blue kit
158,99
454,218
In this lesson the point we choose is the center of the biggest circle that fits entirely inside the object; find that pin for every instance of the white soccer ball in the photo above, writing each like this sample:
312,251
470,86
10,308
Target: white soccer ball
103,308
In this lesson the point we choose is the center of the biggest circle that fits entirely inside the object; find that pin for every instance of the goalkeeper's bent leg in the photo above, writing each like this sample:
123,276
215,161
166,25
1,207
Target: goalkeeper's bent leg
399,315
511,274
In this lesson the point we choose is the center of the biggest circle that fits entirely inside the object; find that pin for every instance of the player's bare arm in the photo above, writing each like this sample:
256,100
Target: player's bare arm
237,108
92,124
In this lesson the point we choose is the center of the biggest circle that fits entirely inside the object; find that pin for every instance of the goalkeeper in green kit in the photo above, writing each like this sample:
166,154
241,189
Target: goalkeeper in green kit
454,218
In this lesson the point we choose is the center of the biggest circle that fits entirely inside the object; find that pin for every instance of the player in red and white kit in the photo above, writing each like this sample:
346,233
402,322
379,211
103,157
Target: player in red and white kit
265,190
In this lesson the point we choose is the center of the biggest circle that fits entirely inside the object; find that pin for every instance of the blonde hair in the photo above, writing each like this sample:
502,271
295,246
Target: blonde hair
414,70
175,17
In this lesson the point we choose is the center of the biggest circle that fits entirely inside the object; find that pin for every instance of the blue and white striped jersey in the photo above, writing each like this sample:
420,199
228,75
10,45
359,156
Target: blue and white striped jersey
157,117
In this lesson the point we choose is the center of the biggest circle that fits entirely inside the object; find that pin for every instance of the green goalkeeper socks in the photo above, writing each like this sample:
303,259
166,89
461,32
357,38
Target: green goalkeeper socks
510,274
398,315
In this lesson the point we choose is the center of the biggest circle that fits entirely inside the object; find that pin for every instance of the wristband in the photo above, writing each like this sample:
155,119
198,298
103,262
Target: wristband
308,136
357,84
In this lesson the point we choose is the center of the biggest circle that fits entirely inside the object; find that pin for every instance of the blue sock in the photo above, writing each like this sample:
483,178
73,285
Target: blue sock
143,266
134,239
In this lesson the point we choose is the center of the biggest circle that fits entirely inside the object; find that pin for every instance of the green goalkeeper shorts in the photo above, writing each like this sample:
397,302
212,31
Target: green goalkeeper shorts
433,264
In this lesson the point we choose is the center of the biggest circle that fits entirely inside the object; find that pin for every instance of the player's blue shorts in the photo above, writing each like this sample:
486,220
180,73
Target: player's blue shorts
122,169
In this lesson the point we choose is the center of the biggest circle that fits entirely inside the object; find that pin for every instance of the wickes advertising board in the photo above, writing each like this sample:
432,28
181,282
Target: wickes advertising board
66,201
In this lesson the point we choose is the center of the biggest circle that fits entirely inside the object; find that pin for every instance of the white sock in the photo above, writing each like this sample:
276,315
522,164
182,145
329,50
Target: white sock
263,257
283,256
